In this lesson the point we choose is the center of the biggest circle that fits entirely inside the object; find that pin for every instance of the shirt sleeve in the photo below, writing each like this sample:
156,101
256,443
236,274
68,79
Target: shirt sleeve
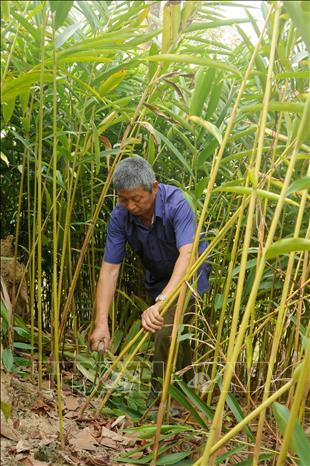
115,241
184,223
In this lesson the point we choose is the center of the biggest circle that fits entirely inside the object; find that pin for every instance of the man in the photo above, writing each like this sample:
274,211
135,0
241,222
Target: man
159,224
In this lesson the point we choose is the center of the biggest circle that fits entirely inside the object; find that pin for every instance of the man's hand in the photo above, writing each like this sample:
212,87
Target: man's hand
101,334
151,319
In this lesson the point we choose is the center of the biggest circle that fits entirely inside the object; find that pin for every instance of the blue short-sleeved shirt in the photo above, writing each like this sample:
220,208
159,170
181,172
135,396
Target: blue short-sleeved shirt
158,245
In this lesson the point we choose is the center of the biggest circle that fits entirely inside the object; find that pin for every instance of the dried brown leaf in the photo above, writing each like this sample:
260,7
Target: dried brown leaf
9,432
84,440
22,446
72,403
108,442
118,421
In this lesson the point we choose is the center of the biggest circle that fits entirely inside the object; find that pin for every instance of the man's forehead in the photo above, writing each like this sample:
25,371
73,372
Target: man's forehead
132,192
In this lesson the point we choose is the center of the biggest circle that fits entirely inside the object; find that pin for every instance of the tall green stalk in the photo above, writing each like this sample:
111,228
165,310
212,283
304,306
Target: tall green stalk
303,385
277,334
39,201
55,245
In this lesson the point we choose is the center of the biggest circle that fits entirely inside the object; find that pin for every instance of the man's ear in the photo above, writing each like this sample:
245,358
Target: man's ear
155,187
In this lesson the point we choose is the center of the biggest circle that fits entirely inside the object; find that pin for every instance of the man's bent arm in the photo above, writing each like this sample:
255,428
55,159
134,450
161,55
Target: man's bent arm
105,290
151,320
180,268
104,296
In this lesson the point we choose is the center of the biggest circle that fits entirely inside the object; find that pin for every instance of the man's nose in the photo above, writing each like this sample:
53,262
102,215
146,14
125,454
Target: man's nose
131,205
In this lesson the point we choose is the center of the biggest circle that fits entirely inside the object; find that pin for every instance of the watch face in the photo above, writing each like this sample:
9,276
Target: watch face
160,297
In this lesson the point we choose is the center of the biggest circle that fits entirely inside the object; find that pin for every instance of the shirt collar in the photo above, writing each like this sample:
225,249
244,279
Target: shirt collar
158,207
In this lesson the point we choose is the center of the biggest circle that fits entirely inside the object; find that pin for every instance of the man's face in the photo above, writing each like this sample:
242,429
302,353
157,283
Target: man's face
137,201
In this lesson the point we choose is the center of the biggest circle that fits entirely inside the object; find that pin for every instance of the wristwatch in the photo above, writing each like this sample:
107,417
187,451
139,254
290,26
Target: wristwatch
160,297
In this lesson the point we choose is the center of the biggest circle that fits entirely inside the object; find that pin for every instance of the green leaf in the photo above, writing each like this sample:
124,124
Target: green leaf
180,398
16,86
238,413
208,126
8,109
283,246
6,408
299,185
66,34
293,74
7,359
146,458
31,29
261,460
260,193
173,458
299,442
203,82
189,59
250,263
21,345
220,459
292,107
112,81
82,58
19,361
152,66
149,430
88,374
196,401
22,332
61,9
4,312
215,24
24,98
5,10
176,152
235,408
300,19
150,129
215,96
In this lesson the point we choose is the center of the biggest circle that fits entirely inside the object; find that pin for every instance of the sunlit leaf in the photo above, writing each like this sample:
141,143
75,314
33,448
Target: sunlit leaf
66,34
299,441
283,246
6,408
215,24
5,10
170,58
212,129
260,193
292,107
299,185
61,9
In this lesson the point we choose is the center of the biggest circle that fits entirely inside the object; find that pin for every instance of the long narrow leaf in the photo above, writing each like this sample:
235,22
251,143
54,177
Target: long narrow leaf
189,59
299,442
260,193
283,246
180,398
195,400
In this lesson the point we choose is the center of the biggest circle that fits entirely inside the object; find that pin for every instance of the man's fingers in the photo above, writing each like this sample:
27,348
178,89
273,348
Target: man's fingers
100,345
149,325
155,316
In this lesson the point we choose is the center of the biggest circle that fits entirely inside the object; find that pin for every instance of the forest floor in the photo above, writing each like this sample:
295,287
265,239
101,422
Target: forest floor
30,432
30,436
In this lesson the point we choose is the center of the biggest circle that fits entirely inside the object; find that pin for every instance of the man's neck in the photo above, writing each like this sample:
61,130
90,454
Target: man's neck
147,218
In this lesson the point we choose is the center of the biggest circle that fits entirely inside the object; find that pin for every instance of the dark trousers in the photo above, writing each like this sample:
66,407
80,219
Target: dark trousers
162,345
